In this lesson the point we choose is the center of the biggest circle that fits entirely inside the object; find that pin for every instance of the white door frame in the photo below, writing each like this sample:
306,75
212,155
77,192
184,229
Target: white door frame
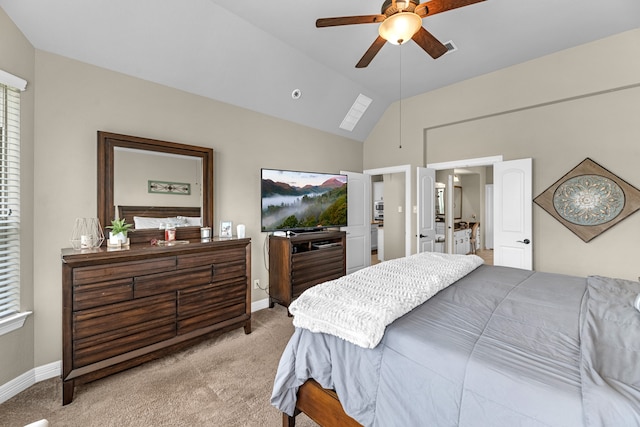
406,169
468,163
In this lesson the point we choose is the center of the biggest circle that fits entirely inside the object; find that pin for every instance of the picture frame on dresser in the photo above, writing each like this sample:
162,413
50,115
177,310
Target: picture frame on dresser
226,229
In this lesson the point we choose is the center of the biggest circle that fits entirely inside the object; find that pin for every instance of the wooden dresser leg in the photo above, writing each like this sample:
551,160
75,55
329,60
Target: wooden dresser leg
288,421
247,327
67,391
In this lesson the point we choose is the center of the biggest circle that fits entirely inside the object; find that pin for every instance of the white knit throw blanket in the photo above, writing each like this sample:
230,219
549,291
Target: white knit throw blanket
358,307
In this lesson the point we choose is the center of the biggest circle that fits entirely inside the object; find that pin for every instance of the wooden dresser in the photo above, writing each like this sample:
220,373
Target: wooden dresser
122,308
299,262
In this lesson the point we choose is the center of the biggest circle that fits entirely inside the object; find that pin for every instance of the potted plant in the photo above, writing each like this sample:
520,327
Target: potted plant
118,233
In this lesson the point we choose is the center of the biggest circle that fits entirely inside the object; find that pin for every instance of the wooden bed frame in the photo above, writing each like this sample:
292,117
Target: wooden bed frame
148,234
129,212
321,405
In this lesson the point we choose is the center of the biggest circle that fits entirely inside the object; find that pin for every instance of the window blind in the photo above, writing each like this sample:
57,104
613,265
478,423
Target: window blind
9,201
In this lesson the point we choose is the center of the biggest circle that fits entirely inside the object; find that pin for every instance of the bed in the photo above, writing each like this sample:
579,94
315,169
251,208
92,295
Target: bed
496,347
150,217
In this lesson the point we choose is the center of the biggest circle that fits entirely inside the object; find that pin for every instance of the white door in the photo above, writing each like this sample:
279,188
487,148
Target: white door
358,227
512,214
426,211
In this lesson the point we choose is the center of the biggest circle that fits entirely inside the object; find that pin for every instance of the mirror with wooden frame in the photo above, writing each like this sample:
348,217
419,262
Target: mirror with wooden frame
110,203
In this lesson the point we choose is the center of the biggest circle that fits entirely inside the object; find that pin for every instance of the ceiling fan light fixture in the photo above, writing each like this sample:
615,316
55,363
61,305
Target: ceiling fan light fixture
400,27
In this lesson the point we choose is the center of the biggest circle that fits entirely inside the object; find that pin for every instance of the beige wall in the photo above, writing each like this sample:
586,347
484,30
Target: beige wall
17,57
76,99
559,109
132,171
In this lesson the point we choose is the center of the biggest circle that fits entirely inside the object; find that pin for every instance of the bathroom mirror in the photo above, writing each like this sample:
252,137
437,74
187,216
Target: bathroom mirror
457,202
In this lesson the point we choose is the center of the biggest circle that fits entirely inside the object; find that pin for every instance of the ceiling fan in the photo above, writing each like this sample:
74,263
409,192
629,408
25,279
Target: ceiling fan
400,21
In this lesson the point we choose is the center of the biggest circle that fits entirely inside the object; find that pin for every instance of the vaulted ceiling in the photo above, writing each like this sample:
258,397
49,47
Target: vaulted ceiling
254,54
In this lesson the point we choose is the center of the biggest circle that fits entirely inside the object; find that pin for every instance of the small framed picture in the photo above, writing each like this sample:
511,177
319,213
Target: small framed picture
226,228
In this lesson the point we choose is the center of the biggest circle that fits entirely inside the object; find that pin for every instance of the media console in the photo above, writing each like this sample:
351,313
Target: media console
303,260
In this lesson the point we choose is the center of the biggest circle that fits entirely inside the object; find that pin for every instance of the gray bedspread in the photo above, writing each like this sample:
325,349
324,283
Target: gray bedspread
500,347
610,341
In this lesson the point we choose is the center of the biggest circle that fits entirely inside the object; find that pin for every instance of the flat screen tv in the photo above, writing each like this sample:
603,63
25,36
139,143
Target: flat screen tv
299,201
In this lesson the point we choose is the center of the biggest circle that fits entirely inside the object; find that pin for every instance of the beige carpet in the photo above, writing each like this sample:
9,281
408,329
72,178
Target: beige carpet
225,381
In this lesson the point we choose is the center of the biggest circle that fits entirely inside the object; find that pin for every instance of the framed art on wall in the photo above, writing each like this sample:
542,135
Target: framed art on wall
165,187
589,200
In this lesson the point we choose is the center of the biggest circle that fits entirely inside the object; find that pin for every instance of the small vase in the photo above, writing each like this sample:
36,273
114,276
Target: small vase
117,239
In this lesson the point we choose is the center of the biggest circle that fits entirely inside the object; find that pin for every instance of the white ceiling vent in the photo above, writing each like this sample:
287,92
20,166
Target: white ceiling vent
355,113
450,46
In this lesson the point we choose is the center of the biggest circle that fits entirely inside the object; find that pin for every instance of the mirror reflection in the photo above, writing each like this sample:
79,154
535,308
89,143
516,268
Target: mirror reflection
142,177
439,201
457,201
151,179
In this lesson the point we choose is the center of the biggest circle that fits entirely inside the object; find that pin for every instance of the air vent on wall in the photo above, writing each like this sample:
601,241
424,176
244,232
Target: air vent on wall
355,113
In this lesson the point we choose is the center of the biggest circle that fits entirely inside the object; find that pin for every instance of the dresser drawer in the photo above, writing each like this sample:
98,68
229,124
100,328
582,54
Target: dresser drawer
108,344
221,256
98,273
120,316
206,305
317,257
103,293
118,328
301,284
153,284
229,270
314,267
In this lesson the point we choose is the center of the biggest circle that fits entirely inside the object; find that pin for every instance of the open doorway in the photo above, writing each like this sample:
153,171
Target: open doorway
472,219
391,230
474,181
512,208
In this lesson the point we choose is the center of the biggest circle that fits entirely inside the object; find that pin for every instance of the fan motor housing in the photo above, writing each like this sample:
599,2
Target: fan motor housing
388,7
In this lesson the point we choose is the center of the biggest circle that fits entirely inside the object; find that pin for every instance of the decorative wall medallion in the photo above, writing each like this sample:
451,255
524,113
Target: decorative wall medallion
589,200
169,187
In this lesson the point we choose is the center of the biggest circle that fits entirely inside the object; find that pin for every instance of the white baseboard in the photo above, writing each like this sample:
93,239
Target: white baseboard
260,304
54,369
26,380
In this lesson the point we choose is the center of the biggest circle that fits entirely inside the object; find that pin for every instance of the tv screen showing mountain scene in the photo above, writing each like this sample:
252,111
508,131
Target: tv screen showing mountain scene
302,200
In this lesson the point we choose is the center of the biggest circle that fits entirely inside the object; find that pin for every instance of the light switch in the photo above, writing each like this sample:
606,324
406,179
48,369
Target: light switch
399,209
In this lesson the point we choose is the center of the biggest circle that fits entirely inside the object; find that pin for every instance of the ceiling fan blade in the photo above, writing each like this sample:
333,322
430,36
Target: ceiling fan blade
436,6
371,52
429,43
349,20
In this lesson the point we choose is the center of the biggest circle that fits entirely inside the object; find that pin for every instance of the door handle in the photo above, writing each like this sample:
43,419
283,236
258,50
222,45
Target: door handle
422,236
525,241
